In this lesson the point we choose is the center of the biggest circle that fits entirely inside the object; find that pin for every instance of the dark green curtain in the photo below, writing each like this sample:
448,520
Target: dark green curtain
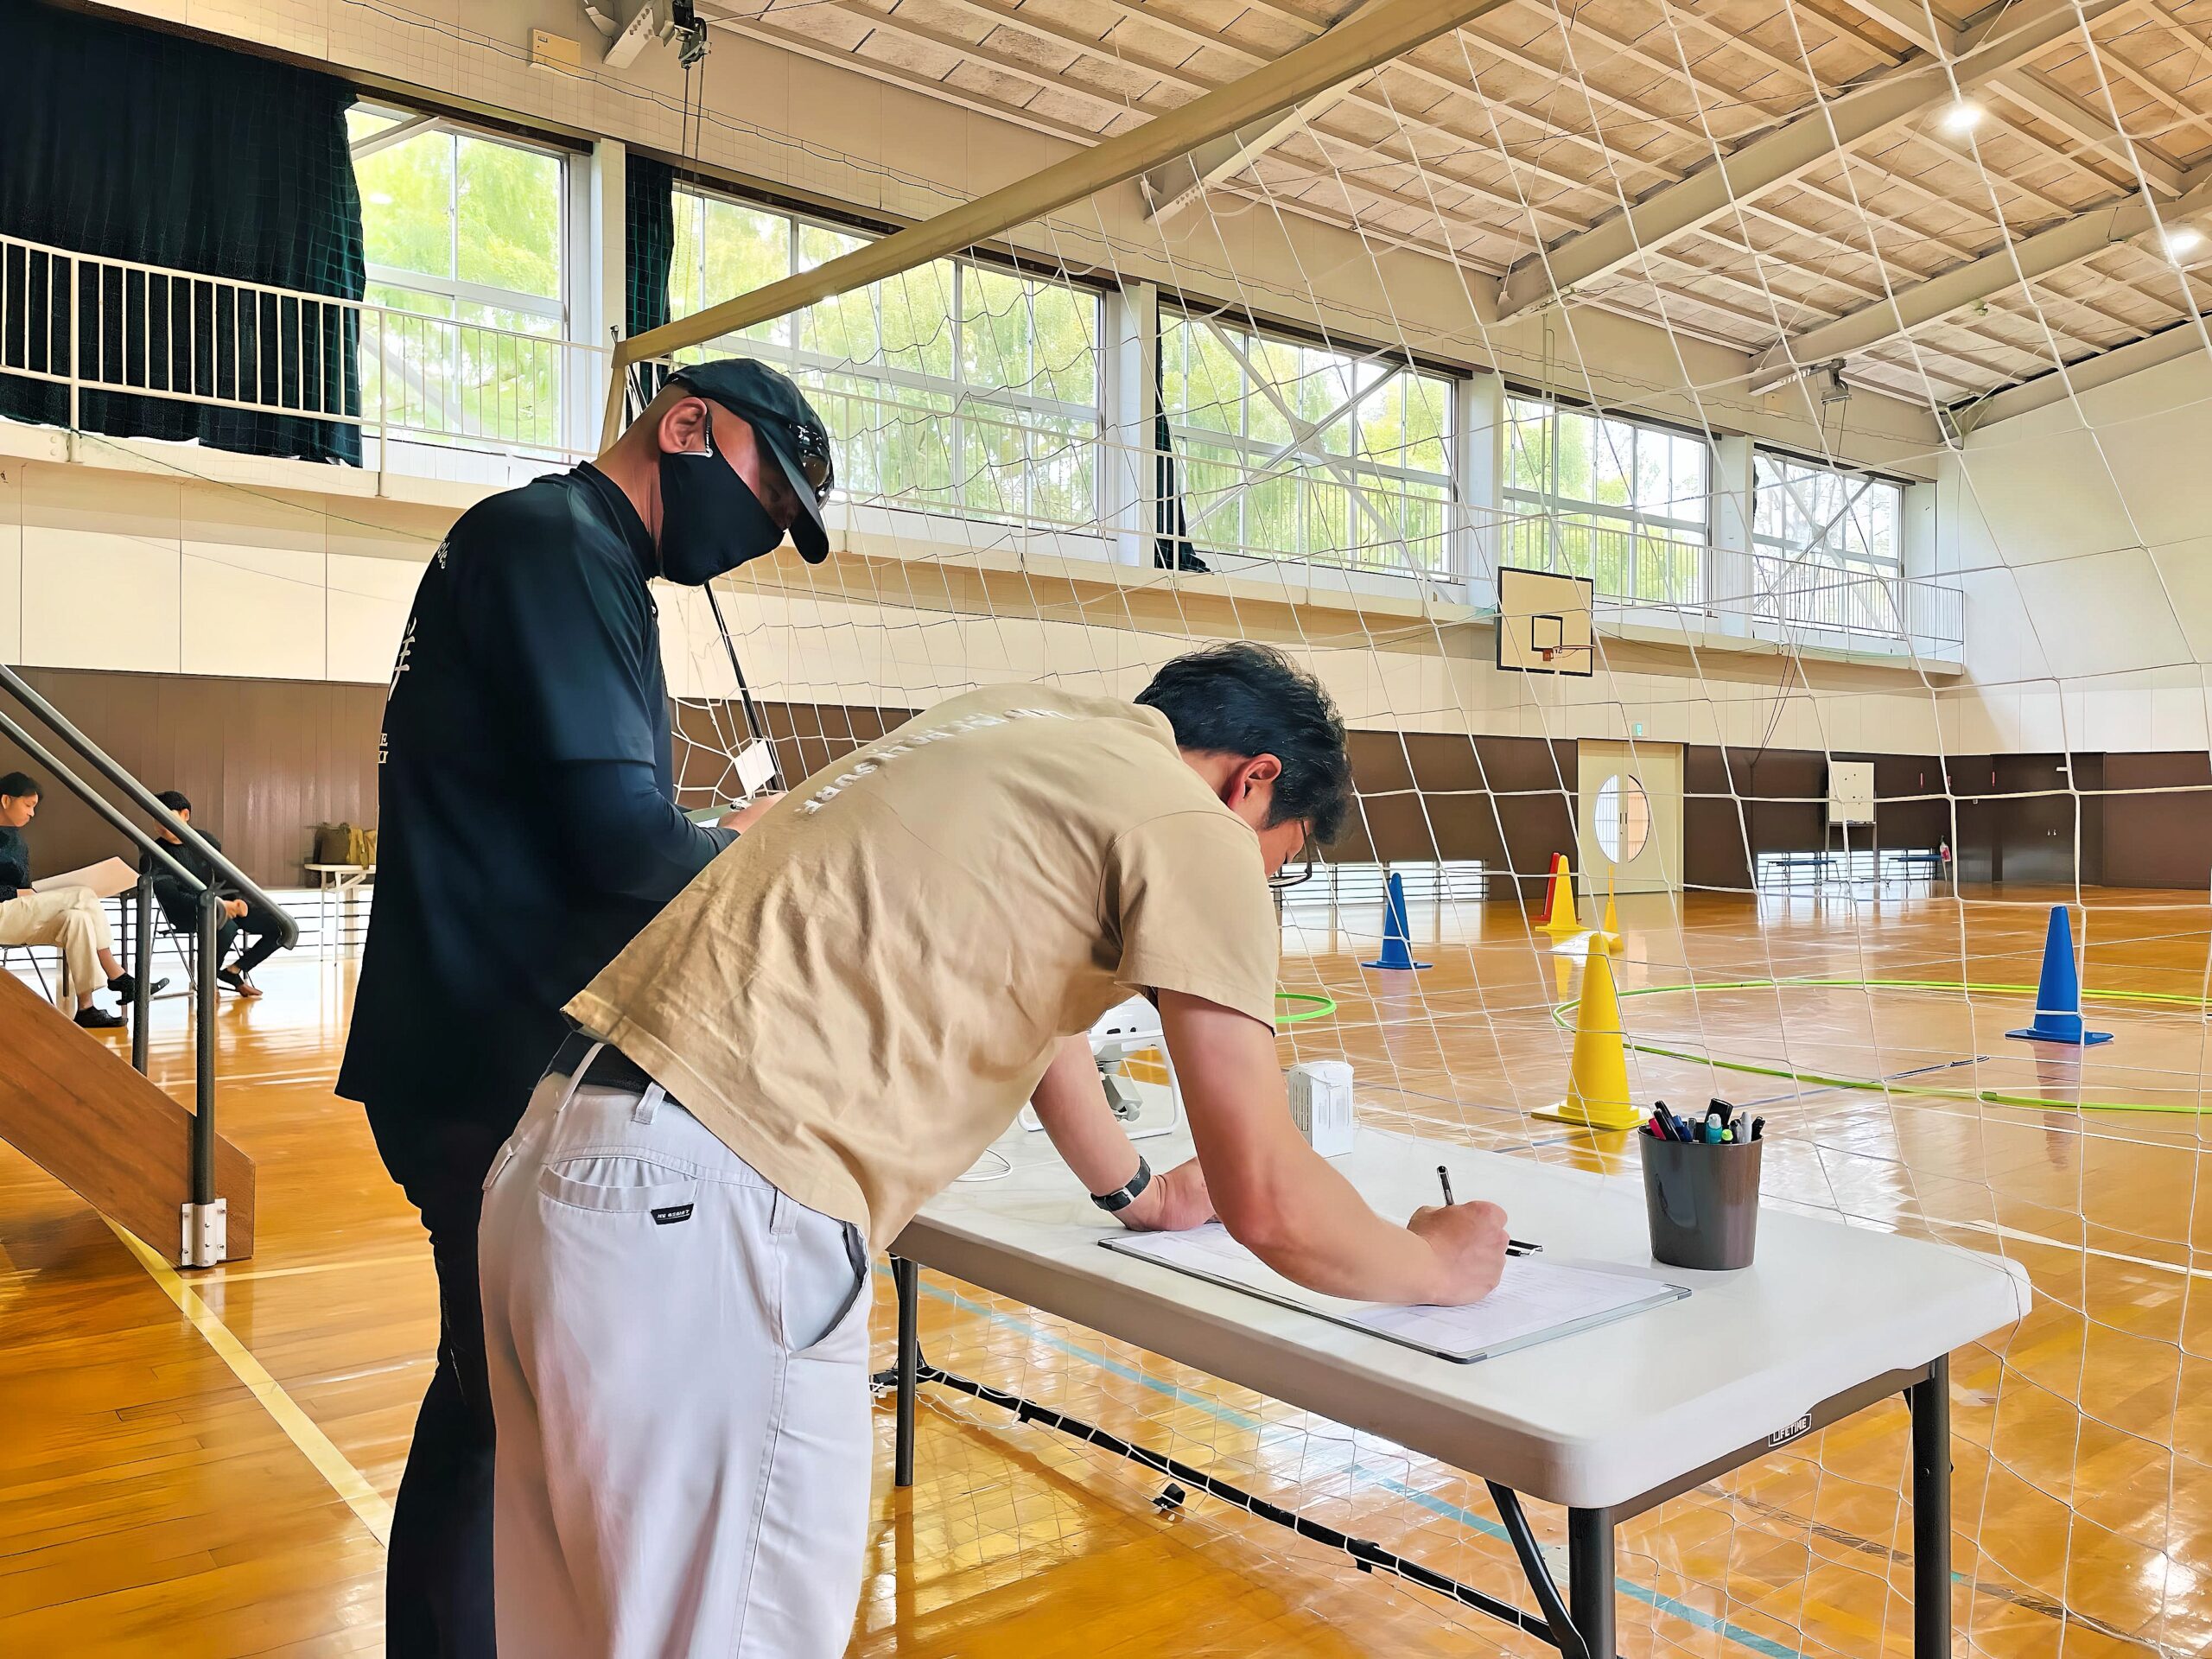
649,232
1171,548
132,145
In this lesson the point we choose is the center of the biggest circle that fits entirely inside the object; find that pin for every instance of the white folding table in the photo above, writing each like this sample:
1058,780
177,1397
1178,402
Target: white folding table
1608,1423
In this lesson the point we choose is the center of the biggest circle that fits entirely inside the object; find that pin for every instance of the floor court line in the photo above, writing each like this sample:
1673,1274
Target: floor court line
233,1276
368,1504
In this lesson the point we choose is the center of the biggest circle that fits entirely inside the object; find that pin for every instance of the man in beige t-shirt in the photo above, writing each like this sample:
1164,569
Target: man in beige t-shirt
825,1028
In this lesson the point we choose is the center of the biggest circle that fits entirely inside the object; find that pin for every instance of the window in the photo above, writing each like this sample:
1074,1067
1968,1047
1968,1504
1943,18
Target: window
1825,548
1620,501
958,386
463,234
1622,818
1837,516
1298,451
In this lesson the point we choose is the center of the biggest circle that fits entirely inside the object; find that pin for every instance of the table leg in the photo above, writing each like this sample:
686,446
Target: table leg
1590,1579
906,1277
1930,1400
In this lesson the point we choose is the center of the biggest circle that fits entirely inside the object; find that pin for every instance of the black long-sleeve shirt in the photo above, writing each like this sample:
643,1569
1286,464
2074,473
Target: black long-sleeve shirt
527,826
15,864
181,903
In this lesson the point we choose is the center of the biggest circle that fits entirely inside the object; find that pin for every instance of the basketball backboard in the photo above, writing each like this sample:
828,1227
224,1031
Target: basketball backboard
1543,623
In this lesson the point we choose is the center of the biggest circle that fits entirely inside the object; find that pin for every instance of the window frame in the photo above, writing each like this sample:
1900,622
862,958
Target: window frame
970,401
1550,504
1265,460
1821,550
420,123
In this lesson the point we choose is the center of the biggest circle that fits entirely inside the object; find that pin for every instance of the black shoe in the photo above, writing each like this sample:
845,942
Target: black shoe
98,1019
126,988
233,979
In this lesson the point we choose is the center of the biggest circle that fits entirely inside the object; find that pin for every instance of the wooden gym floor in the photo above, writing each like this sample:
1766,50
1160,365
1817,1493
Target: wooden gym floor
204,1466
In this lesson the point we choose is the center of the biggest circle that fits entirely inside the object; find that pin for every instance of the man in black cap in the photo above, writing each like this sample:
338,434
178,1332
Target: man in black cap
528,830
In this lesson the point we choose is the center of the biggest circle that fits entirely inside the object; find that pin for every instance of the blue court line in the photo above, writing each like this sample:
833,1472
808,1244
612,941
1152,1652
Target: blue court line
1490,1528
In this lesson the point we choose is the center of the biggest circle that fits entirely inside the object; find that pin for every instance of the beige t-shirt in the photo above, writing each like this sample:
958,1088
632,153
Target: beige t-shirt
859,994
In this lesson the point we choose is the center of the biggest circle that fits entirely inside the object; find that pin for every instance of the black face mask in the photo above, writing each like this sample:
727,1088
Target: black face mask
711,521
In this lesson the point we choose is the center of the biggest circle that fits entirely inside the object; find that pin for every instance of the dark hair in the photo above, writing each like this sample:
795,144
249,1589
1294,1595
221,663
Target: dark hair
16,785
174,800
1248,699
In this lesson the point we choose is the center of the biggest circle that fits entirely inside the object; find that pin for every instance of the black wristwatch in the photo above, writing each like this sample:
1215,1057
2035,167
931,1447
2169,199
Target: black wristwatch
1125,1195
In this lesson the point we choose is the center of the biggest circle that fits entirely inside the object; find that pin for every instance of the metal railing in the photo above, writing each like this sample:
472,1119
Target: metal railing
1643,568
427,393
203,1239
84,324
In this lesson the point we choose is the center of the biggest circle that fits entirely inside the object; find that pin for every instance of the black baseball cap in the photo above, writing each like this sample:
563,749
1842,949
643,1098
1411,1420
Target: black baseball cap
786,426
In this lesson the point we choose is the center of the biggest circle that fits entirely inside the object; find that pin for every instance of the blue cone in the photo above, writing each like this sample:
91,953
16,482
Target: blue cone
1395,953
2058,997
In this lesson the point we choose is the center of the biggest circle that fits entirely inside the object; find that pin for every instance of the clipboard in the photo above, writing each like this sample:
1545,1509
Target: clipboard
1537,1300
106,878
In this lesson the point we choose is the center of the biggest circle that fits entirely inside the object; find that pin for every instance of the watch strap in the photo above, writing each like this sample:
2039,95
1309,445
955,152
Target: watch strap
1127,1194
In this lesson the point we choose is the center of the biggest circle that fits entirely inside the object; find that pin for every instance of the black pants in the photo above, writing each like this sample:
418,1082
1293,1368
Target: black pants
438,1573
257,924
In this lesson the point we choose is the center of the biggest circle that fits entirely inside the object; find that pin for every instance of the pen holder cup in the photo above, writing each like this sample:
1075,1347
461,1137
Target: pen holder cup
1703,1202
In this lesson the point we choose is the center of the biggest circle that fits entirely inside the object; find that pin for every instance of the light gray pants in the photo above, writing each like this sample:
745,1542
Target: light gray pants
679,1368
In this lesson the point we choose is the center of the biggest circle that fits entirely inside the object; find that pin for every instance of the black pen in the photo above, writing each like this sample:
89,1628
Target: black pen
1513,1246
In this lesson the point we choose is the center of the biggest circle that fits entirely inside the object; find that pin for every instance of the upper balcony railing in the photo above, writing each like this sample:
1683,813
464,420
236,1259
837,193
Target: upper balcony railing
431,396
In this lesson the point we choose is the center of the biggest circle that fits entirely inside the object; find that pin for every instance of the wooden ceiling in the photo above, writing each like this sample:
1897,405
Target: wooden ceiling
1789,163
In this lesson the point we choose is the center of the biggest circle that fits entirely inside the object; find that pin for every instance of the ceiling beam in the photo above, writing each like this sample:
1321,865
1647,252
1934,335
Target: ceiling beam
2021,32
2183,339
1994,273
1373,38
1185,179
1912,21
2046,99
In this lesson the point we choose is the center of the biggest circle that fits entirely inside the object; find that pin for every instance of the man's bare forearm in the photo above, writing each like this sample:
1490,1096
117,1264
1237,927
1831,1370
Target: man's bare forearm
1284,1201
1072,1106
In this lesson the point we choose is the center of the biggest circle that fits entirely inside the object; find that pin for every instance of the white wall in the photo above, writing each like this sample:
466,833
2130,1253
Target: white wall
161,574
110,570
2081,533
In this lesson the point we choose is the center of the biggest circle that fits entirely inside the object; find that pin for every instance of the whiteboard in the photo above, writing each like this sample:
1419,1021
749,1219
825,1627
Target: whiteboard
1850,792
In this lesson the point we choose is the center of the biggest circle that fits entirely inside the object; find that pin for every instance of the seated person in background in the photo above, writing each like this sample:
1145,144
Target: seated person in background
181,905
70,917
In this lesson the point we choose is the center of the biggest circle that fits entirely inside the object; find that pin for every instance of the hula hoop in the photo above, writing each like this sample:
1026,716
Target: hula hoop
1317,1007
1987,1097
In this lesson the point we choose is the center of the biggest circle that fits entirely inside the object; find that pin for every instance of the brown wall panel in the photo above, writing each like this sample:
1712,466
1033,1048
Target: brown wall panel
263,761
1740,803
1508,801
2156,839
2031,824
266,760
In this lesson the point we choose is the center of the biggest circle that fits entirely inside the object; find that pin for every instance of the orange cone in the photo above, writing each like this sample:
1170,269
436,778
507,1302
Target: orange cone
1596,1077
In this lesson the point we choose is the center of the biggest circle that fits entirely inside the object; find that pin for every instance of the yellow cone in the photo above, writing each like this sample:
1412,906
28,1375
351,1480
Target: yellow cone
1612,916
1597,1078
1564,924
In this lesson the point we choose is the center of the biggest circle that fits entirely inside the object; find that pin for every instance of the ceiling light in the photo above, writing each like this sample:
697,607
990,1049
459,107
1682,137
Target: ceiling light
2183,242
1962,116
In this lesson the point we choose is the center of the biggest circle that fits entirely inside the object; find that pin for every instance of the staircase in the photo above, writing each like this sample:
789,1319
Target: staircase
67,1102
74,1107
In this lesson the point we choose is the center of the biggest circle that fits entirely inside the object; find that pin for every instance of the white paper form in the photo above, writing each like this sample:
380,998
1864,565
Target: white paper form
1536,1301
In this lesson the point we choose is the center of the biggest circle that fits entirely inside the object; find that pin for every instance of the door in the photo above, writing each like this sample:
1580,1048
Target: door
1628,817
